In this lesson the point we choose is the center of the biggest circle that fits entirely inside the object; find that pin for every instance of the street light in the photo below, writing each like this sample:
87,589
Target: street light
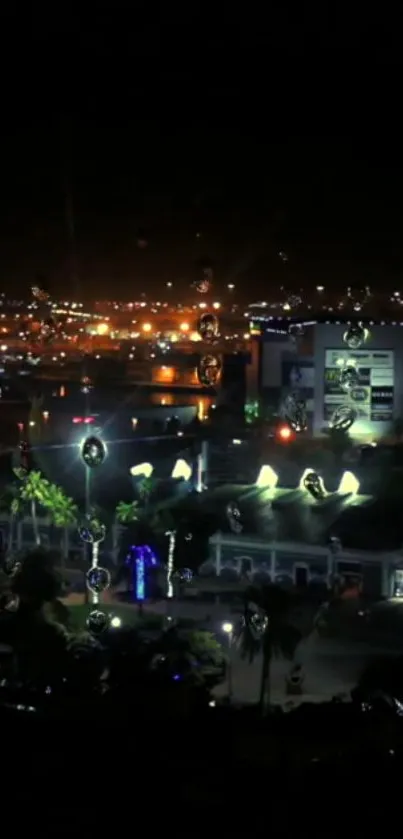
116,622
228,629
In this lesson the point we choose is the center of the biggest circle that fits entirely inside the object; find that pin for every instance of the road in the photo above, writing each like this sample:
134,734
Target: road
331,668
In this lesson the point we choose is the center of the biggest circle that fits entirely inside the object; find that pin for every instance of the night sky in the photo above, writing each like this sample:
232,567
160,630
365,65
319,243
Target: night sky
259,134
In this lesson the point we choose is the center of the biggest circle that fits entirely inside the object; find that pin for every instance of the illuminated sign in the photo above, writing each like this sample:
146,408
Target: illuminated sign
373,397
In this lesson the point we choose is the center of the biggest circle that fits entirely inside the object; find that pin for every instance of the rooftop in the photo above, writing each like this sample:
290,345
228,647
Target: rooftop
361,521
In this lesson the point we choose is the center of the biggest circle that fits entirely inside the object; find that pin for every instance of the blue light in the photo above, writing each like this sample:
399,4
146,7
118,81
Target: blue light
139,559
140,576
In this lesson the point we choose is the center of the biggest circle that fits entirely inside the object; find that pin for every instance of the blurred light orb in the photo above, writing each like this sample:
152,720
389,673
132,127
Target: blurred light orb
48,329
116,622
355,336
202,286
40,293
97,622
205,277
258,624
207,326
343,418
93,452
92,530
296,330
234,517
313,484
98,579
86,384
209,370
358,297
292,299
294,412
349,378
299,422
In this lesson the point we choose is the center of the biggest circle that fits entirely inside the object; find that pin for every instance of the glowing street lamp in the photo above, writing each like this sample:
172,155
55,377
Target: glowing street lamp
181,470
267,478
349,484
142,470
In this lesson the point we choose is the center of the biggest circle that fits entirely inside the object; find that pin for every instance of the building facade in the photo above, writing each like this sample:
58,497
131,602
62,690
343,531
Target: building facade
297,564
309,366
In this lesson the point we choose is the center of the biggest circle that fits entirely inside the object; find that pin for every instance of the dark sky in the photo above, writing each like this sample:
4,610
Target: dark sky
261,133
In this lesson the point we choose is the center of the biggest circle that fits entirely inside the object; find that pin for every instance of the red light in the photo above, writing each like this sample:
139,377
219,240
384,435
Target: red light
285,433
77,420
88,420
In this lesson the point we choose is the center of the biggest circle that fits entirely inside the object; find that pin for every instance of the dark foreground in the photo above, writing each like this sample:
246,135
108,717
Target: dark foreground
323,771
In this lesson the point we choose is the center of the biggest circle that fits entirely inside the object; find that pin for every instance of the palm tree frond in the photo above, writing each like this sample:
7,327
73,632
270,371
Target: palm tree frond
127,513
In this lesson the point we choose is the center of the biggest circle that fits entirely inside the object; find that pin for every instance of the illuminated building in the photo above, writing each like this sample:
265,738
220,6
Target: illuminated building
309,366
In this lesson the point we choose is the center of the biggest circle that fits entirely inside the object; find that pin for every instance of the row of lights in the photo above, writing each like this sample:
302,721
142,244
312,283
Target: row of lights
268,479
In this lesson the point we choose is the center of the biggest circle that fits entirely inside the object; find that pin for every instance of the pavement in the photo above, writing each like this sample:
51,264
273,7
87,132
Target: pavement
332,668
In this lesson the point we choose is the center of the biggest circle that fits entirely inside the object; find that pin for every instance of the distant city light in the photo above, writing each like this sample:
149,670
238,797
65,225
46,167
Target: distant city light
285,433
147,327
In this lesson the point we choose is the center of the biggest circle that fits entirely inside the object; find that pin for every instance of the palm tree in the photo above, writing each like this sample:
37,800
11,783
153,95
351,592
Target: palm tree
127,513
64,514
146,488
157,521
10,500
35,489
266,628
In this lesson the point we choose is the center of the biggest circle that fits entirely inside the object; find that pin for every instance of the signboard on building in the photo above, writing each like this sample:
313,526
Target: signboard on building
373,398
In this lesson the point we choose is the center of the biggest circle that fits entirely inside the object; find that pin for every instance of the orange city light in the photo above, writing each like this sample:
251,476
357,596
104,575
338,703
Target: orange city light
285,433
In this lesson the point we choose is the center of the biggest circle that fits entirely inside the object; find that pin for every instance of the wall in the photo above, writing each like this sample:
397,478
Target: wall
285,368
278,561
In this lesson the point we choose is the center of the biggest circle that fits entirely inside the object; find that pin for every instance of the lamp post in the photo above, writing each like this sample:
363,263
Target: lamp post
93,453
228,629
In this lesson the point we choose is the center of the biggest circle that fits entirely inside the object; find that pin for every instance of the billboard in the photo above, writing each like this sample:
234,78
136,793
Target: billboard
373,398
